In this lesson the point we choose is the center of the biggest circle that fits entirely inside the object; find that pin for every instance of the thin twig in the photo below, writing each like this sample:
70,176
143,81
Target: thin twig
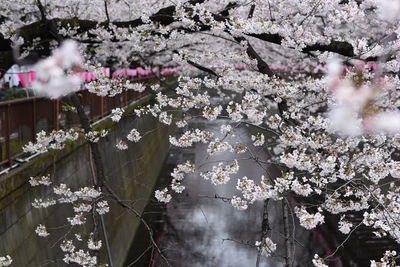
137,214
140,256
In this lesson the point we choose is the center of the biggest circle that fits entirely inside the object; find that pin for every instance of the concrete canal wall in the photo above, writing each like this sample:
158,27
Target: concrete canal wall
131,173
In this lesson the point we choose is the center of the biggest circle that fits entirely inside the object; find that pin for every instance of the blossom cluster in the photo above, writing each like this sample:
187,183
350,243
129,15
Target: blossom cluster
53,140
178,174
110,87
266,246
5,261
221,173
190,137
40,180
117,114
83,201
94,136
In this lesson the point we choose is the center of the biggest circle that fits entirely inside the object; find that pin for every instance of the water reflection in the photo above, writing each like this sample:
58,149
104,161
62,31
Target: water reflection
202,230
197,229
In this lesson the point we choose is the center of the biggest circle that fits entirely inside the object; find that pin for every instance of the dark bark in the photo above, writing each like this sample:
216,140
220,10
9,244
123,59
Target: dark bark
262,66
200,67
46,29
287,227
264,228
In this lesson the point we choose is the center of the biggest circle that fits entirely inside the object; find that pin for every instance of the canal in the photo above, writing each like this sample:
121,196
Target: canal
200,228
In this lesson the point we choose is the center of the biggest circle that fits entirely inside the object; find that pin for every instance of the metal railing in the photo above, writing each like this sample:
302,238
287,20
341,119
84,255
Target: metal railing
21,119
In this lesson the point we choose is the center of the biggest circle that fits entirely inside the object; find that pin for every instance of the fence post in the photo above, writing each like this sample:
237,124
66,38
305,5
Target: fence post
8,152
102,106
33,120
56,115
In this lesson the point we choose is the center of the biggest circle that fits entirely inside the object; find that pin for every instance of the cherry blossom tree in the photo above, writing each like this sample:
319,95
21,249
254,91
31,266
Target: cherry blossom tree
316,81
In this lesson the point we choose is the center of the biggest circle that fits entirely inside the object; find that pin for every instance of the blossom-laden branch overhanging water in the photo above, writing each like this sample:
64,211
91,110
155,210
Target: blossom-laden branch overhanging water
334,138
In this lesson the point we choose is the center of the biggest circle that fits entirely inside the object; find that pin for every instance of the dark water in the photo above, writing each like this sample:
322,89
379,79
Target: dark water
197,229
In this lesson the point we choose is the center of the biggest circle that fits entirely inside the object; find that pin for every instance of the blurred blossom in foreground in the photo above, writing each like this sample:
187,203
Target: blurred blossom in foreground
5,261
385,122
389,10
51,78
353,112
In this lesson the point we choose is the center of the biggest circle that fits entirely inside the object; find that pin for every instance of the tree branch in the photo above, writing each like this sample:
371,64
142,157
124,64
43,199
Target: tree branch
262,66
251,12
264,228
137,214
41,10
106,10
165,17
286,228
205,69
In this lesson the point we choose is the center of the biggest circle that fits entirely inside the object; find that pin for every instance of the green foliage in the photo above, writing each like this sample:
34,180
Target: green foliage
15,92
15,148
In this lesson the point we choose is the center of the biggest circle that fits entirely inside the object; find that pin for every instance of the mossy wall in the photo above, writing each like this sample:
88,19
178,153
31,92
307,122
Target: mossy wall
131,173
